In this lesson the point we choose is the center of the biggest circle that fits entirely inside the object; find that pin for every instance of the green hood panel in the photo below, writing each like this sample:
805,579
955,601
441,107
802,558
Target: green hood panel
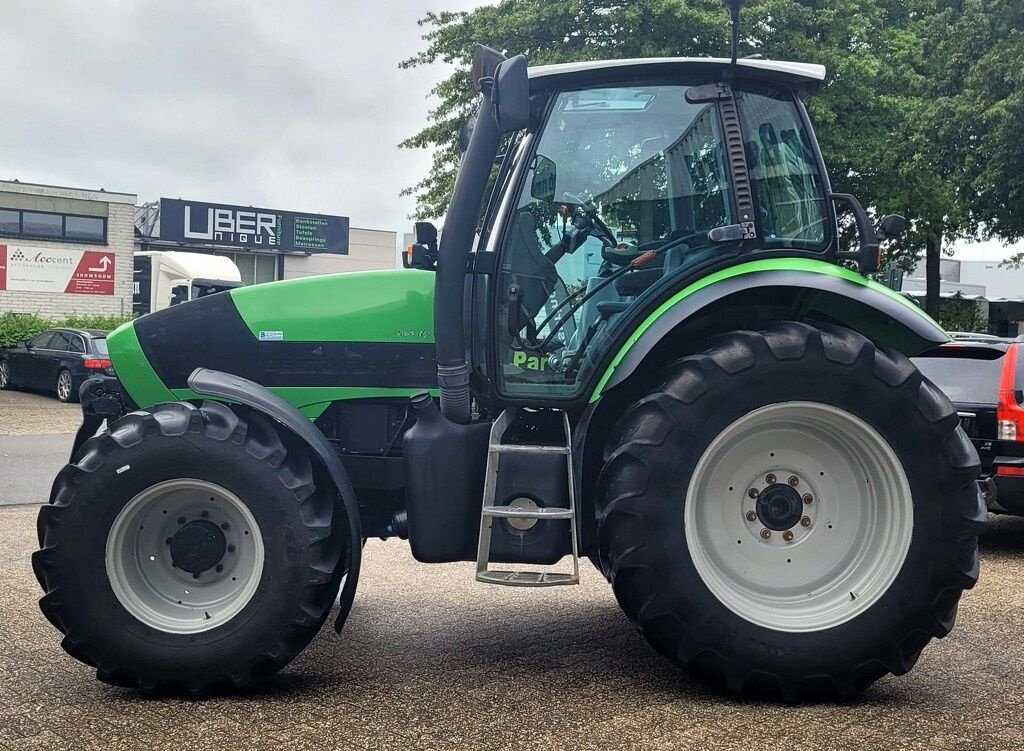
312,340
364,306
857,307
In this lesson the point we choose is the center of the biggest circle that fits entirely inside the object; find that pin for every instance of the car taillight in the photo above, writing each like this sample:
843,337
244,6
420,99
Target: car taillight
1009,413
94,363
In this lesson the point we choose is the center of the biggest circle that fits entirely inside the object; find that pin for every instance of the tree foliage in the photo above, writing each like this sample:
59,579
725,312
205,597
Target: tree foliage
918,116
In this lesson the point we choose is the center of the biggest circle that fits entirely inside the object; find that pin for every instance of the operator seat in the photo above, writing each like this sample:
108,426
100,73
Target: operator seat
529,268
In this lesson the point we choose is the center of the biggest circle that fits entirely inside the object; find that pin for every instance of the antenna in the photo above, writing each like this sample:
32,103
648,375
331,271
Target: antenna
733,6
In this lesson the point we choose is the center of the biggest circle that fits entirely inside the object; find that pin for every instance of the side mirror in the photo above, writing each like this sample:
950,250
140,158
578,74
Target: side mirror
545,175
510,95
25,344
892,225
868,256
423,253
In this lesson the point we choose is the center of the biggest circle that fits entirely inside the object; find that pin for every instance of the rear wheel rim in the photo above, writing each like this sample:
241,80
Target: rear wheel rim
809,564
163,578
64,386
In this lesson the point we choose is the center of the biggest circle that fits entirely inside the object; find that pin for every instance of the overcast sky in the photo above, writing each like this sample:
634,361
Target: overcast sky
293,105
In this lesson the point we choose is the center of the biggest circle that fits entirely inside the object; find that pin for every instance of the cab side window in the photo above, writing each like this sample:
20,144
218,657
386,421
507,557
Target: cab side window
618,173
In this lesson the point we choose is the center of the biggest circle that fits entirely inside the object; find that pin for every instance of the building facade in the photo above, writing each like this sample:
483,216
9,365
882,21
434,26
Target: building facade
265,244
996,290
65,251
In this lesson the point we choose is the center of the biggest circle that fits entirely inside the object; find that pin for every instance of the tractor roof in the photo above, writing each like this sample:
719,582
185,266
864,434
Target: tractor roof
802,75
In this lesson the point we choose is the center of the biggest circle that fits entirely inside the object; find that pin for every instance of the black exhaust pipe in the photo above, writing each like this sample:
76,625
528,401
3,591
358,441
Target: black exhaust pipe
453,254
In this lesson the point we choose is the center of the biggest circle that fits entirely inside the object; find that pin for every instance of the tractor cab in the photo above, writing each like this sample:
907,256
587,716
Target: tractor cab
620,183
627,189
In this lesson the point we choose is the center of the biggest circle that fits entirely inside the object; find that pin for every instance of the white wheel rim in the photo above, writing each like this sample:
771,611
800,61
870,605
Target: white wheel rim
840,560
64,385
143,574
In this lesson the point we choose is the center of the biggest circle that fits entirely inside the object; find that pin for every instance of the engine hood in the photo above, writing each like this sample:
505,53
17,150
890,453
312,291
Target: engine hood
313,340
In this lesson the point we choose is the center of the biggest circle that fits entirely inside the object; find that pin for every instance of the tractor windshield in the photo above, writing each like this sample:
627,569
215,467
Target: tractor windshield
620,172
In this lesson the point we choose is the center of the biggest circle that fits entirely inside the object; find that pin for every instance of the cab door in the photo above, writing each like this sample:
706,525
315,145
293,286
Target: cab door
623,185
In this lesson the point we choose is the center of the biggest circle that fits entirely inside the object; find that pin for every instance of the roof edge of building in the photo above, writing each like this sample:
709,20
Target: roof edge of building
65,191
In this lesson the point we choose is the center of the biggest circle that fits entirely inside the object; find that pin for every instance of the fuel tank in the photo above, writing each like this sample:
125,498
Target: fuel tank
313,340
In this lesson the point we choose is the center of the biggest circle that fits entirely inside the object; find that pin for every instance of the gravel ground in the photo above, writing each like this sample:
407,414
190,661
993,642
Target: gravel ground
26,413
429,659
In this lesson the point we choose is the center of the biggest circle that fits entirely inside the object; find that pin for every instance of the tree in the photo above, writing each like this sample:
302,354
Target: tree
876,115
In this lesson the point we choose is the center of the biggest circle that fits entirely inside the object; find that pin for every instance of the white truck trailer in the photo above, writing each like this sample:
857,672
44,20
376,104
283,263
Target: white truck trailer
168,277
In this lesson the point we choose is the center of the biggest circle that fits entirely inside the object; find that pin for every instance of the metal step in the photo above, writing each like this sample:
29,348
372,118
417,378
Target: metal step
507,512
523,448
527,578
489,511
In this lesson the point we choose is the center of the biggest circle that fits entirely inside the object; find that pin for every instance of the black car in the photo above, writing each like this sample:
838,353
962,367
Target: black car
57,360
984,378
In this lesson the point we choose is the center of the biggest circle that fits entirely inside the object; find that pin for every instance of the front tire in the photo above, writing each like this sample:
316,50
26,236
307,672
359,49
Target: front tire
793,512
189,550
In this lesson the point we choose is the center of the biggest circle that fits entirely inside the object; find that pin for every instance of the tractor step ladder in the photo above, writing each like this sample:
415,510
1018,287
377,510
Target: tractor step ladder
489,512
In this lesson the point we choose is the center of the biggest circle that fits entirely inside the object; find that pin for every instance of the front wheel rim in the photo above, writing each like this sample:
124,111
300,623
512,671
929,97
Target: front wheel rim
166,579
798,516
64,386
3,375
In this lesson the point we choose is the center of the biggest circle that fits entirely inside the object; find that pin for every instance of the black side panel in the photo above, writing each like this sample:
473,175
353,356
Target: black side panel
210,333
382,364
207,333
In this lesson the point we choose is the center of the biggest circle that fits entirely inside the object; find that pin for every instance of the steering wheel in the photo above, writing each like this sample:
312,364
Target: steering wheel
588,210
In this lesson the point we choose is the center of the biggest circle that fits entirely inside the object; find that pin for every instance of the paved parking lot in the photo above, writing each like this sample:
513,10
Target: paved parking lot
27,413
432,660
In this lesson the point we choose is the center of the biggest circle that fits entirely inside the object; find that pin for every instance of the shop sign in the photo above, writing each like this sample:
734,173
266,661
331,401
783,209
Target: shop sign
79,272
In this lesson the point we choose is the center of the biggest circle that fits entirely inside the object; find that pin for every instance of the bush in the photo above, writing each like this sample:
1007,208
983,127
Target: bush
15,327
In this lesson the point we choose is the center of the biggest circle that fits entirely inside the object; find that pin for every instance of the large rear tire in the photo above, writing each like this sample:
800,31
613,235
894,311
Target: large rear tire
792,513
188,550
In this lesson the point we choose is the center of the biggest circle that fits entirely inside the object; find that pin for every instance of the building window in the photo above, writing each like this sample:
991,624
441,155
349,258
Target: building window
84,228
34,224
255,268
10,222
48,226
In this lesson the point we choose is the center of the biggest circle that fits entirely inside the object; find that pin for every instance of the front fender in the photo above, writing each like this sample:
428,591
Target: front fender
239,390
836,294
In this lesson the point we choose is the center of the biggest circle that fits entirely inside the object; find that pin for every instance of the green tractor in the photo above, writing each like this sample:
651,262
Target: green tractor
641,345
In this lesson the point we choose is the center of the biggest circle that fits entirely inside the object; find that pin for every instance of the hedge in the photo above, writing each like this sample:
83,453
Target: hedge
14,327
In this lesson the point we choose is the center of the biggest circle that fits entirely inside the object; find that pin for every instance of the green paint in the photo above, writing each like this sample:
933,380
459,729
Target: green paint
312,401
365,306
133,369
774,264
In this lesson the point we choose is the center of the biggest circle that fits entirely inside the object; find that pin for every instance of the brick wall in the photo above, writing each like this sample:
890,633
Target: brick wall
120,239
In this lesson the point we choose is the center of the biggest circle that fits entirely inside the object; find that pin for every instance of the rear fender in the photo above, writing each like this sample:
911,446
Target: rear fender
816,289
